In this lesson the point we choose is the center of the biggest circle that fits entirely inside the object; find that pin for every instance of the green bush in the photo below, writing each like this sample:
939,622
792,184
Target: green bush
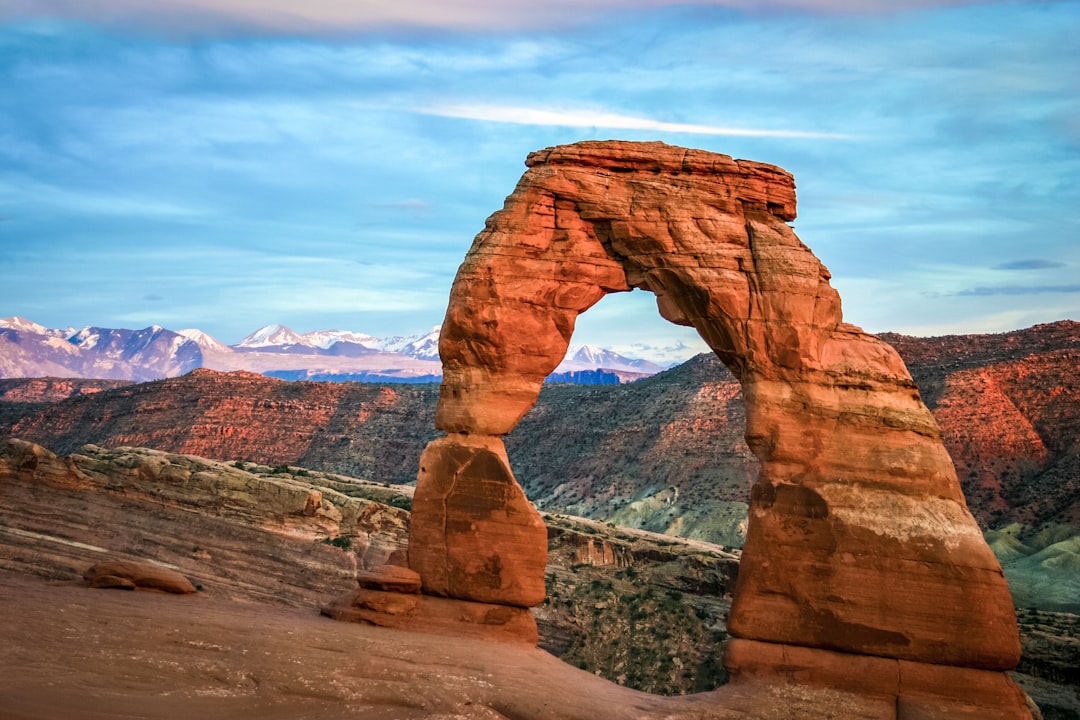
341,541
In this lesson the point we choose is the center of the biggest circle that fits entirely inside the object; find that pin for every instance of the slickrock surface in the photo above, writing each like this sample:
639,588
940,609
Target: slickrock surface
859,538
251,535
71,652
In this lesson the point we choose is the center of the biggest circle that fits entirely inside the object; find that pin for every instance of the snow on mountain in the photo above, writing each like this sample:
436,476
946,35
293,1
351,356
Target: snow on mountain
591,357
324,339
152,352
271,336
29,349
425,347
23,325
204,340
93,352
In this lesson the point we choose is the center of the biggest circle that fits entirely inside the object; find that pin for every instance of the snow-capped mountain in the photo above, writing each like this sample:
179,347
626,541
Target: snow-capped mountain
204,340
28,349
275,336
31,350
22,324
325,339
591,357
157,352
425,347
278,338
282,339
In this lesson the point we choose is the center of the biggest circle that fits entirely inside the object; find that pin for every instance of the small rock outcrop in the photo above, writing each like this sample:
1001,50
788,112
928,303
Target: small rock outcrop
134,575
860,545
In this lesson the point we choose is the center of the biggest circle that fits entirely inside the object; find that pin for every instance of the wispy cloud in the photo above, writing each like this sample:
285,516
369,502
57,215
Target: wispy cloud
1030,264
610,121
336,16
1020,290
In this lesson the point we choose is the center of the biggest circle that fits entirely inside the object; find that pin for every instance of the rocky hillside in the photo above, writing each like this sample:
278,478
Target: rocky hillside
357,429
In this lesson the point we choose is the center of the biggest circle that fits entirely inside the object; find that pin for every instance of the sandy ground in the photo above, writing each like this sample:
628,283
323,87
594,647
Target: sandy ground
72,652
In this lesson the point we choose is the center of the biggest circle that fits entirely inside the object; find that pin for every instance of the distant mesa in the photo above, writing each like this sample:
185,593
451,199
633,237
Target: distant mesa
28,349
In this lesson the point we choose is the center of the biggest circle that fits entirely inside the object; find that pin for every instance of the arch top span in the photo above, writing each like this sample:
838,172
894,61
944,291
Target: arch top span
705,233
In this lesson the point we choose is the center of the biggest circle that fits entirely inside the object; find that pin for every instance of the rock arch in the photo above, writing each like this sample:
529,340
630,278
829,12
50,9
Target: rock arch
860,542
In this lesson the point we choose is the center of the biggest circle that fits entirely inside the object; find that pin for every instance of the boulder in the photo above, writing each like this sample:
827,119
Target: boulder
435,615
474,535
132,575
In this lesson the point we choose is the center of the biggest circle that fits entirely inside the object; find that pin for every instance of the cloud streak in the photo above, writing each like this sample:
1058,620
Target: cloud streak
608,121
337,16
1031,264
1020,290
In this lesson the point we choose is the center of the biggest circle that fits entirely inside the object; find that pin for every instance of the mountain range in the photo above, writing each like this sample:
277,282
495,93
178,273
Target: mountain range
28,349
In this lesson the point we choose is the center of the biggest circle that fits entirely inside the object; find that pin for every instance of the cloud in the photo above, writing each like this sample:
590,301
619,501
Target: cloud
609,121
1030,264
1020,290
337,16
415,205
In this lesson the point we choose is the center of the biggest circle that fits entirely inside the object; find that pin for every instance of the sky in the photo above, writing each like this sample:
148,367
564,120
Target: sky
229,164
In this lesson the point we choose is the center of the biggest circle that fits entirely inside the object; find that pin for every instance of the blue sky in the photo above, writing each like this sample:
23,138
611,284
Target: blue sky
230,164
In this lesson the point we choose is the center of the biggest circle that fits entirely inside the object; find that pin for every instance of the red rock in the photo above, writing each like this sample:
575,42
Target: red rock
473,534
391,578
859,538
436,615
920,690
111,582
129,575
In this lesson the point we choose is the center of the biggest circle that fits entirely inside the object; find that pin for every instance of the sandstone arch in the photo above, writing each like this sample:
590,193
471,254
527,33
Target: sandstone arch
859,544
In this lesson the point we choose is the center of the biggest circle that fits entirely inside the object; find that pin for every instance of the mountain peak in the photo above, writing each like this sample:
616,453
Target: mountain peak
204,340
23,325
271,335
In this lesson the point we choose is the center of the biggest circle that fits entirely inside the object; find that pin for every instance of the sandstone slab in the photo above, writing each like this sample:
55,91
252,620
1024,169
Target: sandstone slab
131,575
436,615
391,578
916,690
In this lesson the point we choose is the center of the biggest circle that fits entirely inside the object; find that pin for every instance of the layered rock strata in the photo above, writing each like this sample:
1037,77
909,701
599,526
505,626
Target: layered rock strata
859,542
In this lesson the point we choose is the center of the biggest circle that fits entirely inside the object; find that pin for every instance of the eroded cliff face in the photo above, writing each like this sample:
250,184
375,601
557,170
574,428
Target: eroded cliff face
859,535
350,428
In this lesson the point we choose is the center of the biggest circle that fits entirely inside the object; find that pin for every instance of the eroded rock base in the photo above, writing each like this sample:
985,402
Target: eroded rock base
436,615
919,691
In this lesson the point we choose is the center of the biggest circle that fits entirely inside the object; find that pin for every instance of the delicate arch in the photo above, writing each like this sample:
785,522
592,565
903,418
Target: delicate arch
859,538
